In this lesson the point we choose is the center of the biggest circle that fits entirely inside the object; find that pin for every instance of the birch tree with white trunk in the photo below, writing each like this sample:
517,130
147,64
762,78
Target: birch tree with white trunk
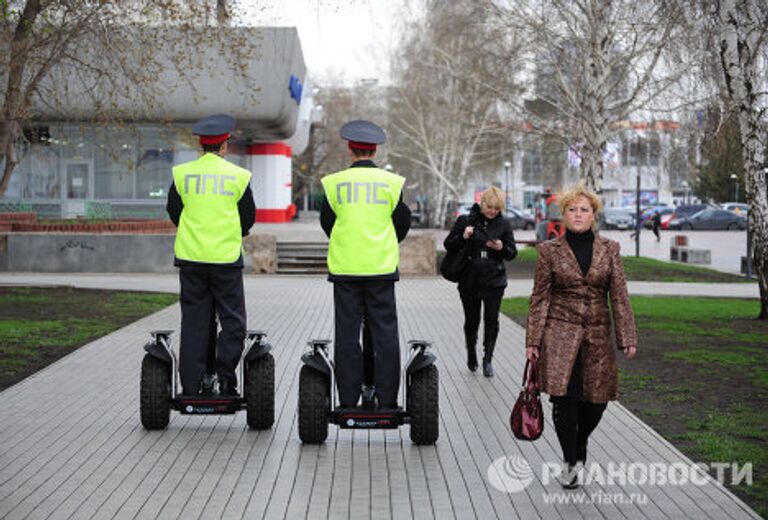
743,50
595,63
445,113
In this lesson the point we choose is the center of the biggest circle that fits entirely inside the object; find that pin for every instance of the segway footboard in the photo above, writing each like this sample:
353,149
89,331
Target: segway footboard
379,418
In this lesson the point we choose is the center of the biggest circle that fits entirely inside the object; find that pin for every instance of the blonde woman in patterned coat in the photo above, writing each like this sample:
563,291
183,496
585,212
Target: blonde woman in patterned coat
569,326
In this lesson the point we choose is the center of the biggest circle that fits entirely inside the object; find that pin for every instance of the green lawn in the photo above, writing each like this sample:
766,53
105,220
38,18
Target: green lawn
39,325
645,269
700,379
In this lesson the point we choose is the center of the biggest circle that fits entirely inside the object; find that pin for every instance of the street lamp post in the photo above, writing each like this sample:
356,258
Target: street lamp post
507,168
735,179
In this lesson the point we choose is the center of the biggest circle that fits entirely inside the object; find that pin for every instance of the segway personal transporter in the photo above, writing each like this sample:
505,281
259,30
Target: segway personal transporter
317,395
159,392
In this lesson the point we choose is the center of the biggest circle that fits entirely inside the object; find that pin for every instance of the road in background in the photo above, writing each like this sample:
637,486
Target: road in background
726,247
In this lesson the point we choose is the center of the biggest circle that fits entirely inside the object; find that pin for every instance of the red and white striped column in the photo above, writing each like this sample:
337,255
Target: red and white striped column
270,165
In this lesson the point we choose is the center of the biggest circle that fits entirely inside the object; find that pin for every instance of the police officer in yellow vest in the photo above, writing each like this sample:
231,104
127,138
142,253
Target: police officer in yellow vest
211,203
364,215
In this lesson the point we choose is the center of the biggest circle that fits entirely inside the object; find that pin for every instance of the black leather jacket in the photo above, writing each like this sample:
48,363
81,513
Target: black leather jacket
486,268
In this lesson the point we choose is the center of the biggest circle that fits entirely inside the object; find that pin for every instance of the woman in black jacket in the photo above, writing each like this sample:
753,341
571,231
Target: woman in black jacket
491,241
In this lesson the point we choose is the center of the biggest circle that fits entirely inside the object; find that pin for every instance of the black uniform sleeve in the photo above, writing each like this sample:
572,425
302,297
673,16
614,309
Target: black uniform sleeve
327,217
174,205
247,209
508,250
401,218
455,238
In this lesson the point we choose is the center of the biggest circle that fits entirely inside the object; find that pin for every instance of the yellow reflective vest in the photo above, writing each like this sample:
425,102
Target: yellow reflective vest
363,240
209,227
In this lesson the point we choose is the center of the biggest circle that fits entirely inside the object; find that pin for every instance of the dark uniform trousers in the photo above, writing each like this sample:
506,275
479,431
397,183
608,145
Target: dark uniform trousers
374,301
206,289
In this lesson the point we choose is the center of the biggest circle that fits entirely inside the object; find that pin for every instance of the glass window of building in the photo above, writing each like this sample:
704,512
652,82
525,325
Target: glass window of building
115,159
154,162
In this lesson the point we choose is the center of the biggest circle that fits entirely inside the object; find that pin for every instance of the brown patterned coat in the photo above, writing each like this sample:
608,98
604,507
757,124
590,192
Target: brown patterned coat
569,310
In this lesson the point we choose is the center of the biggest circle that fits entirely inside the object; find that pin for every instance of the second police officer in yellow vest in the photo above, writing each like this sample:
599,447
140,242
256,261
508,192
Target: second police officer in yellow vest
364,215
211,203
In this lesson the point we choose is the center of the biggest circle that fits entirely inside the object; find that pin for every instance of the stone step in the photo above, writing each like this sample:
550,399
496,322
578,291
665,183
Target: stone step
301,257
302,270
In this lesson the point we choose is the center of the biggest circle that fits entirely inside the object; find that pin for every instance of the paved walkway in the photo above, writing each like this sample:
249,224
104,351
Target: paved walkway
73,447
170,283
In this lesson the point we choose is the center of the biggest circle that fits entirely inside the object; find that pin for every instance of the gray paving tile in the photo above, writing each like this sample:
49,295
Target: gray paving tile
73,446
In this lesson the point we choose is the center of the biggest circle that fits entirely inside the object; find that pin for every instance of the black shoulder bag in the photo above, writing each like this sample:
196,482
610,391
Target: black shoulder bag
454,262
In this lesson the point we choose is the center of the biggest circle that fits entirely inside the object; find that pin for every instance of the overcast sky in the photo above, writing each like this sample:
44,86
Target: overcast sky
343,41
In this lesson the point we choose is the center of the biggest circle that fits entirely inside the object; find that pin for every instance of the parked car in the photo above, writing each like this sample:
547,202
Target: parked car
461,209
710,219
737,207
684,211
518,220
617,218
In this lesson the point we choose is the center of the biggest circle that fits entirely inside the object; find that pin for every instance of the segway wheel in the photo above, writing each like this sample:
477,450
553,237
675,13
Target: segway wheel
314,405
260,392
155,394
423,400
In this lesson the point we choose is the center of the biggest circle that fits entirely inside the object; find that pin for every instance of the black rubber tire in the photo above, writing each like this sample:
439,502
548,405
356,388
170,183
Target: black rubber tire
314,405
423,405
155,394
260,392
733,226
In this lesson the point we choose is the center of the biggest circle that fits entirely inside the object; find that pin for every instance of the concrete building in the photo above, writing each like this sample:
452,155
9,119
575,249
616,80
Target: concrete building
76,166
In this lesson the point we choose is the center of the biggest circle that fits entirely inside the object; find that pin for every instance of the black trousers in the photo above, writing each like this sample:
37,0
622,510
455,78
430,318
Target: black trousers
574,418
207,290
374,303
490,299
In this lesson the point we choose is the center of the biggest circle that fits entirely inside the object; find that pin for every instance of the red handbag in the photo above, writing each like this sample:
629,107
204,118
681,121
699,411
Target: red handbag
527,418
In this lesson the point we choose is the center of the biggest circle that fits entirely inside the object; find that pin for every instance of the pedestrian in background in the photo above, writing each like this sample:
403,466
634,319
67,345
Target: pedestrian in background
569,327
656,224
490,242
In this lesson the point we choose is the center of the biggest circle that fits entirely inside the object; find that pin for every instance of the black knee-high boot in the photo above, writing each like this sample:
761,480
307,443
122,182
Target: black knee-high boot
565,415
589,416
488,357
471,340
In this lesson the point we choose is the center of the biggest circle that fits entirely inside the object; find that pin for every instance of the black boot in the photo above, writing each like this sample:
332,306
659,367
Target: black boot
589,416
471,353
207,384
487,357
471,358
227,388
565,416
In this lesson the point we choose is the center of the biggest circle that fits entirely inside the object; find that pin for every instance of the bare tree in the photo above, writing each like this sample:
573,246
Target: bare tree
327,151
445,111
106,55
595,63
743,49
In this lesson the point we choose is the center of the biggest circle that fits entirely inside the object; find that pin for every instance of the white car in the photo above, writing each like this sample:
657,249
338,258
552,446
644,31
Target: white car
737,207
